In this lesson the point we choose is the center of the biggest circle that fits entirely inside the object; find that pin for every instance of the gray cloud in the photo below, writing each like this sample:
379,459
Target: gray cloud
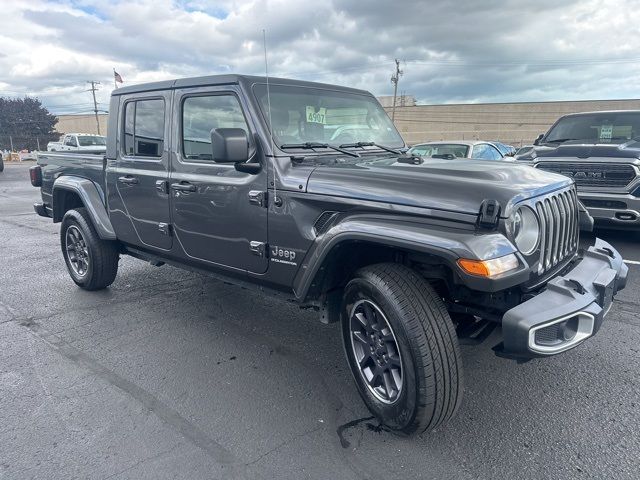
463,51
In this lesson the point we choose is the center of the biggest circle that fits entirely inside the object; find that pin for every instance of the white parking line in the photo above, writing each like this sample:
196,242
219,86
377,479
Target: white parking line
632,262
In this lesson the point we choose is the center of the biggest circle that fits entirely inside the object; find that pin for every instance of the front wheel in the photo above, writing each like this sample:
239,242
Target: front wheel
402,348
91,261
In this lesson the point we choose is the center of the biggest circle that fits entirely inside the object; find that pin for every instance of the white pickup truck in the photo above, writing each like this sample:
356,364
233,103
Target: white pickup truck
81,142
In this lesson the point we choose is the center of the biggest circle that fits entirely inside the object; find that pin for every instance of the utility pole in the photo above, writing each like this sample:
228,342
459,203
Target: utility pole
95,104
394,79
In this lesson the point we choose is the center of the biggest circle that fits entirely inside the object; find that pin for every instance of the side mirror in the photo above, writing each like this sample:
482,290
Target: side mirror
229,145
537,140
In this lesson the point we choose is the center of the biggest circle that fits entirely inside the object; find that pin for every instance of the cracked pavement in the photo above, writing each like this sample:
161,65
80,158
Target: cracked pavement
170,374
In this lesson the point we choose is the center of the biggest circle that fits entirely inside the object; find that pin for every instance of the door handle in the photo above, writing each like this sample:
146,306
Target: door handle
129,180
183,187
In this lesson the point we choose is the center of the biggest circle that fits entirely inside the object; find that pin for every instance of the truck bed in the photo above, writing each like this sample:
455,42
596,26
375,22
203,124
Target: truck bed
85,165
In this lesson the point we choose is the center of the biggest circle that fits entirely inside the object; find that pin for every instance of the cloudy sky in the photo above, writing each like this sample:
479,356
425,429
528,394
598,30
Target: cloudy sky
451,52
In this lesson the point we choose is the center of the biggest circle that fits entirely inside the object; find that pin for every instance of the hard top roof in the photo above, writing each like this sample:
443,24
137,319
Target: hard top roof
604,112
246,80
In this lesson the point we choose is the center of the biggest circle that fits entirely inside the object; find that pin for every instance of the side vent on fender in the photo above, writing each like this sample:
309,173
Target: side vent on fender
323,222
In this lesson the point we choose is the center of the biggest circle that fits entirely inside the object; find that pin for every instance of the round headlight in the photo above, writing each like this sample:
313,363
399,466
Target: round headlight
525,230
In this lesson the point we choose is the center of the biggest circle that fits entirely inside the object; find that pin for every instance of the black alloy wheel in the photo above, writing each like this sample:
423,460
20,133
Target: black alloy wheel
401,347
376,350
92,261
77,251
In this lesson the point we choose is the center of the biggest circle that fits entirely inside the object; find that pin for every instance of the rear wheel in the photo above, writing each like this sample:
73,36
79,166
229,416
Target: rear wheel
91,261
402,348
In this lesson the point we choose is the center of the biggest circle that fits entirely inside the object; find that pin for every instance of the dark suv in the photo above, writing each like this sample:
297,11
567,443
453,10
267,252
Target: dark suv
303,190
601,152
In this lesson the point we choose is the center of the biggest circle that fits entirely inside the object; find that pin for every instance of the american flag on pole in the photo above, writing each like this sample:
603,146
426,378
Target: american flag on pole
117,77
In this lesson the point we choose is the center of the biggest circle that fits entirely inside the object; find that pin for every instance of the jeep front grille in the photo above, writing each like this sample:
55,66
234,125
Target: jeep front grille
593,174
559,234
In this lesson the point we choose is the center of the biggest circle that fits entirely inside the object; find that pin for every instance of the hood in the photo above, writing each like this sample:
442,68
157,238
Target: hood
454,185
630,150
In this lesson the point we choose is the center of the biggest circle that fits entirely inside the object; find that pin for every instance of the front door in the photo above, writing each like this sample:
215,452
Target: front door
216,215
141,207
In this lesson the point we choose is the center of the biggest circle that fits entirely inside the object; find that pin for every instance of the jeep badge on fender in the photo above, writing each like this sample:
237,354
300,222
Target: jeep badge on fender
279,254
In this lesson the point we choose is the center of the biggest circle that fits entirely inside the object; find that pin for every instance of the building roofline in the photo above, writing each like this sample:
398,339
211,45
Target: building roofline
518,103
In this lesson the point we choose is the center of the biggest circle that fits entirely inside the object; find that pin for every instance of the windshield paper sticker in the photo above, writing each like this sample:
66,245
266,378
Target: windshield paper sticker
606,132
316,117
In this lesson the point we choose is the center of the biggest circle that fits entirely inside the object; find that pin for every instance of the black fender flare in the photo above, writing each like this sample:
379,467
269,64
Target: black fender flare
446,242
91,199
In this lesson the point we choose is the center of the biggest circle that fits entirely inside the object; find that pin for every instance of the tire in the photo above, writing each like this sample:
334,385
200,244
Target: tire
430,366
91,261
1,163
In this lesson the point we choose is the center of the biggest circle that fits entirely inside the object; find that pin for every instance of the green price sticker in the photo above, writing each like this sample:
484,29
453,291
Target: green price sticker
314,116
606,132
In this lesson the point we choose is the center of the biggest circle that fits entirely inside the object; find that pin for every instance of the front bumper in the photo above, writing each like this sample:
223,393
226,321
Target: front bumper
569,310
612,209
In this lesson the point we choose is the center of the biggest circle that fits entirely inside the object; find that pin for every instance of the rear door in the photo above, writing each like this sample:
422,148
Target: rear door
69,143
216,215
142,171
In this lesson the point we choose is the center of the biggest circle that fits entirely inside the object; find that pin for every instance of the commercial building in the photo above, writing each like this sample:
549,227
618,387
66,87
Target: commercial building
82,123
513,123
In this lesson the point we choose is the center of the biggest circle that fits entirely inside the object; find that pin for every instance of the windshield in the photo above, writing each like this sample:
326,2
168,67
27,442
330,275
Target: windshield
303,114
596,128
91,140
442,150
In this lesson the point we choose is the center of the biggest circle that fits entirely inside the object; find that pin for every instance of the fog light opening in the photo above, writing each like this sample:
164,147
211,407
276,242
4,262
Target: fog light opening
569,328
626,216
561,334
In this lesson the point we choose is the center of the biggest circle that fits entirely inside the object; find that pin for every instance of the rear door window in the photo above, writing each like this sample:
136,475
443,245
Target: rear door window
493,153
144,128
484,151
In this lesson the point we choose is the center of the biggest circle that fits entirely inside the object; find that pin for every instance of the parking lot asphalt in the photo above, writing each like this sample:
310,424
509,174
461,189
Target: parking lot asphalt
171,374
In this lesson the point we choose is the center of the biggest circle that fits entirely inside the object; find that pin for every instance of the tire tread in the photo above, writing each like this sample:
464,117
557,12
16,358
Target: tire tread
434,340
104,253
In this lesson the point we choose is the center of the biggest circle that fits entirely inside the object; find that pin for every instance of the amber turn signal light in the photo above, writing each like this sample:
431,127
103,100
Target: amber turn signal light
489,268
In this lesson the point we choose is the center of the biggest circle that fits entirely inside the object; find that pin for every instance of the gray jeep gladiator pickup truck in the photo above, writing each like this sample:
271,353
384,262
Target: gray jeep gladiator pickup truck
601,152
305,190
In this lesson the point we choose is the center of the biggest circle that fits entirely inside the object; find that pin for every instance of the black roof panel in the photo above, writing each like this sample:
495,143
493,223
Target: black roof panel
247,80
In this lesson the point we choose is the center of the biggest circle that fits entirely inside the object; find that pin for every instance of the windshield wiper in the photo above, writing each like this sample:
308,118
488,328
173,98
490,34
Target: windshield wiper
370,144
314,145
562,140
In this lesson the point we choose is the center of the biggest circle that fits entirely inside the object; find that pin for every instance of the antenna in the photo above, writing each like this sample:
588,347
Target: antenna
273,148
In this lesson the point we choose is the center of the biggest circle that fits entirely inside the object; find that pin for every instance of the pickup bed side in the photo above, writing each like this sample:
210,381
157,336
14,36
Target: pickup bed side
75,180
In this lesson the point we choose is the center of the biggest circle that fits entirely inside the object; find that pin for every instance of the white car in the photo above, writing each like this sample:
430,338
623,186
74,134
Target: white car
451,150
79,142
